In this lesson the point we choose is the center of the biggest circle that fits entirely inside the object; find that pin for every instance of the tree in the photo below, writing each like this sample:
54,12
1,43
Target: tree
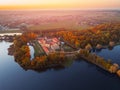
88,47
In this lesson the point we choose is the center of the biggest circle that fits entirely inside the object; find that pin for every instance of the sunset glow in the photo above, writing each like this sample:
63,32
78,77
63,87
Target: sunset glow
58,4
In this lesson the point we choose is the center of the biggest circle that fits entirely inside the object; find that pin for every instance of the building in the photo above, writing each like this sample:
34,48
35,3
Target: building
49,44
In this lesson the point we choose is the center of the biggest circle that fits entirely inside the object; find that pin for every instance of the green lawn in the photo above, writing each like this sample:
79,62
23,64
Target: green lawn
38,49
67,48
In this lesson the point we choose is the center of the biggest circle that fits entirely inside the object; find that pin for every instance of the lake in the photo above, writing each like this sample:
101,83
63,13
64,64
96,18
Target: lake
79,76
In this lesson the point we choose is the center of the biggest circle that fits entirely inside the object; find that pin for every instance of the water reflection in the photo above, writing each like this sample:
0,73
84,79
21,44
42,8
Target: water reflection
110,48
80,75
43,66
31,51
55,67
99,50
112,54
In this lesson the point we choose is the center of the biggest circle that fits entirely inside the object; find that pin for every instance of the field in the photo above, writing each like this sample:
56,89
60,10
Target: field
68,19
38,49
11,31
68,48
68,25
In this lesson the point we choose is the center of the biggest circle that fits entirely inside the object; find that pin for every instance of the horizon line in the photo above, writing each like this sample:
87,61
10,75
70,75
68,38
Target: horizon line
35,9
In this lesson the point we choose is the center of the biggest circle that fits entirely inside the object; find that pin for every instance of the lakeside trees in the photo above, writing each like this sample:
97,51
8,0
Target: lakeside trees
93,58
87,39
22,54
101,34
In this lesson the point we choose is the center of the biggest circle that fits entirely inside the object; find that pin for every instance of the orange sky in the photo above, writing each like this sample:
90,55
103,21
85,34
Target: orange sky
58,4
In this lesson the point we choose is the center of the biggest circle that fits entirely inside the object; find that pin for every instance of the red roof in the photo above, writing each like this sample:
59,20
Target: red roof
45,49
41,40
55,40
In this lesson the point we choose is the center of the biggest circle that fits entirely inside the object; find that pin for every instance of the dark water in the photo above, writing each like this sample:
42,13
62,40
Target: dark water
79,76
113,54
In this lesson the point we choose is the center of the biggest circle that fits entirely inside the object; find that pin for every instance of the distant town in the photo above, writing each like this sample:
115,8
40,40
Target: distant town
42,20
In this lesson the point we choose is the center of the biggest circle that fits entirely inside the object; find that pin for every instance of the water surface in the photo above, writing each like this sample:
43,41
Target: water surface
79,76
31,51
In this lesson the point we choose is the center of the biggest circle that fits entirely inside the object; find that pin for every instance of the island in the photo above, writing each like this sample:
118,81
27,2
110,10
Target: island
56,47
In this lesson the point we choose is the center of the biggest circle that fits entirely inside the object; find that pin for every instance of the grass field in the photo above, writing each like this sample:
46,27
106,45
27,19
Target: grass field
67,48
68,25
38,49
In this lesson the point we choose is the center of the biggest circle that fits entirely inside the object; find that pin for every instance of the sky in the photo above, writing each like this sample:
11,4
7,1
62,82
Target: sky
58,4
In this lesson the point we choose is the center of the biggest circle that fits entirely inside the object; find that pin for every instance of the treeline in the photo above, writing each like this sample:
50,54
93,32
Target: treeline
21,49
98,61
96,36
50,61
